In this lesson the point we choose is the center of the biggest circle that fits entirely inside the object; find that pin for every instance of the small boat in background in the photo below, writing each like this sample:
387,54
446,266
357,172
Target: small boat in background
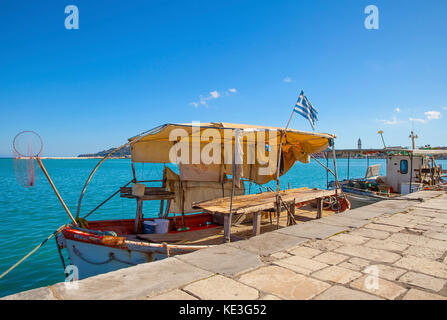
407,171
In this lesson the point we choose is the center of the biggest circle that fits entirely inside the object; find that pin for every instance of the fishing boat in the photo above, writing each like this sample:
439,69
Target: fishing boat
407,171
206,203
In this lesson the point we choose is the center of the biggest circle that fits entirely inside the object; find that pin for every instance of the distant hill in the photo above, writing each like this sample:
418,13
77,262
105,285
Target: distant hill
123,153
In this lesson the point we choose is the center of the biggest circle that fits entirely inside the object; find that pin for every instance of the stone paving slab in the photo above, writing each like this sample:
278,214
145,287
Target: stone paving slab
371,233
426,195
223,259
385,289
174,295
387,272
427,213
349,238
312,230
342,293
337,274
43,293
343,221
436,235
393,206
305,252
331,258
423,281
141,281
269,297
365,213
433,204
369,253
301,265
415,294
424,252
221,288
284,283
384,227
268,243
323,245
423,265
386,245
418,240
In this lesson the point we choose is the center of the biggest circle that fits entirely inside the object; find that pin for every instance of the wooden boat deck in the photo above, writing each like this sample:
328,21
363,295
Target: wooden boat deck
253,203
214,236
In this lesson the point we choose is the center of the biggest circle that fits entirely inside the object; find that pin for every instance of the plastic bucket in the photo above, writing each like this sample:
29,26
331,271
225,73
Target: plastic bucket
150,226
162,225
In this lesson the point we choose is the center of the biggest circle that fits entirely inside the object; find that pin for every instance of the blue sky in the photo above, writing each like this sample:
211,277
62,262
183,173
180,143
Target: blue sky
134,65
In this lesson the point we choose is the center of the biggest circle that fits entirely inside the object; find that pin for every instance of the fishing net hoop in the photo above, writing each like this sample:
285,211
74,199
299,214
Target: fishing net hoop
23,146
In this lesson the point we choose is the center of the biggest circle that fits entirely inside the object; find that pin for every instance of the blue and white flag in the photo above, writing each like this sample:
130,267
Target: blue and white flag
305,108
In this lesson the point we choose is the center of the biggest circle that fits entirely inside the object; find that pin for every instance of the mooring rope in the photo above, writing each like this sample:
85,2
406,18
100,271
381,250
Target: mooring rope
31,252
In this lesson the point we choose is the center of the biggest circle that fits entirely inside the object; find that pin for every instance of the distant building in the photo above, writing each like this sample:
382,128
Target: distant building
359,144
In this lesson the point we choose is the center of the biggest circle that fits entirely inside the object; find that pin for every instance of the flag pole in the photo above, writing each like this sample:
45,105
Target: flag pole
278,205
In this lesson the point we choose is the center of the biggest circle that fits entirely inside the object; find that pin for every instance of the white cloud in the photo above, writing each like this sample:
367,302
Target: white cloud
433,115
287,80
214,94
418,120
203,100
397,110
429,116
392,122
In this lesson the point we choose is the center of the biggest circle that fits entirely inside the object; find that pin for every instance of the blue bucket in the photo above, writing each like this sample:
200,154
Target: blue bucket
149,226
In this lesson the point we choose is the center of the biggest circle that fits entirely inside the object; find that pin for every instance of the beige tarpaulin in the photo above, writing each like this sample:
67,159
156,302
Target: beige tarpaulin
187,192
213,143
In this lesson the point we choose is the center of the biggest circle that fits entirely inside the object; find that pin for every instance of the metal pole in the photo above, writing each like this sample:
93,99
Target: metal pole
233,170
327,172
337,184
278,205
411,170
349,156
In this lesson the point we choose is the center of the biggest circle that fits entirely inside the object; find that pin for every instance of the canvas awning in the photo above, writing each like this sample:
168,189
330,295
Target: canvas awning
207,143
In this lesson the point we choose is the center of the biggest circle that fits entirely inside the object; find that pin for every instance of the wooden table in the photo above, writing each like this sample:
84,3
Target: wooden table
256,203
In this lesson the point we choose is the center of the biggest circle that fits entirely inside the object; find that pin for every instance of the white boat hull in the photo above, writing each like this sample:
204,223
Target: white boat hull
92,259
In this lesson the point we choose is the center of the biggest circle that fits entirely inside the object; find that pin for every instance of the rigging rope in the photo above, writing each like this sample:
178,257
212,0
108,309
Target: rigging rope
31,252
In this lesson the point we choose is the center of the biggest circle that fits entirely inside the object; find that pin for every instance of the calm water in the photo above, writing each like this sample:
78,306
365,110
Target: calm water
29,215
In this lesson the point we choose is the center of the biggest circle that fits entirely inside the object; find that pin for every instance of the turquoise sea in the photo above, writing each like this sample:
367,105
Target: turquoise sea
29,215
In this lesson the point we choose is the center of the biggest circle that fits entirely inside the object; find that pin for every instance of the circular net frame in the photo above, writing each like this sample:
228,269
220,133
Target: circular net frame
27,145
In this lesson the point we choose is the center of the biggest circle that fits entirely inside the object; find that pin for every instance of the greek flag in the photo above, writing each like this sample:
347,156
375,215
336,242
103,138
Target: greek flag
305,108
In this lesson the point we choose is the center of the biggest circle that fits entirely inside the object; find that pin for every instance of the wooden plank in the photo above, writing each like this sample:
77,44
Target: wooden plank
257,223
226,228
162,202
292,212
138,217
151,197
319,207
148,190
258,202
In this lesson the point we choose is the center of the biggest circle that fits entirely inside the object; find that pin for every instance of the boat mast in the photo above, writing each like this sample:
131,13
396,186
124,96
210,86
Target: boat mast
413,138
